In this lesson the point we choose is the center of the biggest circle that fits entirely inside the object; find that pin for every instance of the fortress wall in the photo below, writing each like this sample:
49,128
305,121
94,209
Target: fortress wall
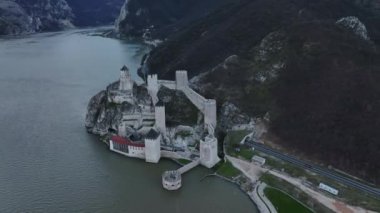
131,117
210,112
153,87
169,84
160,119
206,106
195,98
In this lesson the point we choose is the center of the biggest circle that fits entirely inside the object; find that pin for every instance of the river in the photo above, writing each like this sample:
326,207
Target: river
48,162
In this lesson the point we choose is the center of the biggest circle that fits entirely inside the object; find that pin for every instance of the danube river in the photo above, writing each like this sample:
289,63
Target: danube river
48,163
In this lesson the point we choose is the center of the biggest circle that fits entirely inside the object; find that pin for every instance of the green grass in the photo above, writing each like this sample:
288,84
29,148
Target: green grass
294,192
283,202
235,137
227,170
246,153
346,194
232,141
184,161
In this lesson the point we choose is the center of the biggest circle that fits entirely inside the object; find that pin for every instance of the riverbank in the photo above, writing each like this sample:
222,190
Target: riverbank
50,164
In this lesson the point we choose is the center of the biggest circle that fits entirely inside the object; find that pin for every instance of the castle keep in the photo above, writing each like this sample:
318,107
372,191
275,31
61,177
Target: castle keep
151,119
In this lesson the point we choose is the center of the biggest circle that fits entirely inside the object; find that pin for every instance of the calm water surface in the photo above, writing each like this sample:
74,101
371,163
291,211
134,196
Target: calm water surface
48,163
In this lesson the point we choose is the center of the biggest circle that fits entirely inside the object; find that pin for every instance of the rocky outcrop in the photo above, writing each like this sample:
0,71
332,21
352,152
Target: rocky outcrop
24,16
353,24
104,116
95,108
231,116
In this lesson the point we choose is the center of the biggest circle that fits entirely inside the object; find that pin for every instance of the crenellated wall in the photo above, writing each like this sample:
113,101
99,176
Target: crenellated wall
206,106
208,146
160,118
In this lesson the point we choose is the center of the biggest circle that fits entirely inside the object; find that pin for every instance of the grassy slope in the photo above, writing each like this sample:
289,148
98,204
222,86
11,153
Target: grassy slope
283,202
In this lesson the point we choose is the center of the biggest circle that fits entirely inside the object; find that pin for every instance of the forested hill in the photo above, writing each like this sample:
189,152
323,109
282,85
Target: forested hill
31,16
95,12
313,66
159,19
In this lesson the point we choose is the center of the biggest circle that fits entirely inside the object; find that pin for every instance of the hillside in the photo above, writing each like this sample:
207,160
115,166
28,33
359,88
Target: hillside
158,19
311,65
31,16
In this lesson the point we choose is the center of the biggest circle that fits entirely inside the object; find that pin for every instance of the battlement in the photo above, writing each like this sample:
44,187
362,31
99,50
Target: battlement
182,79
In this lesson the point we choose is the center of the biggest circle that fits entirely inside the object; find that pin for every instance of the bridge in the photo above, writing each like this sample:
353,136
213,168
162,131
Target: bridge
189,166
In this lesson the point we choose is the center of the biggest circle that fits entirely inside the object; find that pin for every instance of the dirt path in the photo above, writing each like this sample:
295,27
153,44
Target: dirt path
254,172
330,203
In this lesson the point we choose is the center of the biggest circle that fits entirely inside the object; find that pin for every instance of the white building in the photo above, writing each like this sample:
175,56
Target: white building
127,147
258,160
150,149
328,189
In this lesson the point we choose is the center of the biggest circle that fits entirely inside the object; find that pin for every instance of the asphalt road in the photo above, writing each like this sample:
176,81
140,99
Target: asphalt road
317,169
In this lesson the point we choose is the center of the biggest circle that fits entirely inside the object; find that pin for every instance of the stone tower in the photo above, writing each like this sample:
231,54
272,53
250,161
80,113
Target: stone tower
122,130
182,80
210,112
153,146
126,82
209,149
152,82
160,117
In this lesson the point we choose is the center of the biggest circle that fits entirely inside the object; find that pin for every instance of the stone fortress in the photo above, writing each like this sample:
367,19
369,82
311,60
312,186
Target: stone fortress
150,119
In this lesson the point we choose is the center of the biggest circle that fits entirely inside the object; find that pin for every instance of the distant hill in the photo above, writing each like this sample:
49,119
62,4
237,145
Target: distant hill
159,19
30,16
313,66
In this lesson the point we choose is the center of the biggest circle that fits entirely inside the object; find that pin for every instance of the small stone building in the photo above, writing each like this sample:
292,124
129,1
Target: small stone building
258,160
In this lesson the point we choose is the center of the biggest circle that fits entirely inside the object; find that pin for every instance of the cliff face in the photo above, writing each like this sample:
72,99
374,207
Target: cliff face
158,19
95,12
29,16
310,66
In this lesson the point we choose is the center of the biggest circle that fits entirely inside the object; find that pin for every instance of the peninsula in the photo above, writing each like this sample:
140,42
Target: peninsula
140,129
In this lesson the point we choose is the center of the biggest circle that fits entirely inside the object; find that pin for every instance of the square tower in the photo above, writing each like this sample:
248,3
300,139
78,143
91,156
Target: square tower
209,151
181,79
160,117
153,146
126,82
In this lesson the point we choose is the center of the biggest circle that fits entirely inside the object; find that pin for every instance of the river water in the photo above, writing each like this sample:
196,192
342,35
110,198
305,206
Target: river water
48,163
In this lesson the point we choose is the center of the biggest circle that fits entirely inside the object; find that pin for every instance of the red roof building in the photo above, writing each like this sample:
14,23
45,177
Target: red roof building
126,141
